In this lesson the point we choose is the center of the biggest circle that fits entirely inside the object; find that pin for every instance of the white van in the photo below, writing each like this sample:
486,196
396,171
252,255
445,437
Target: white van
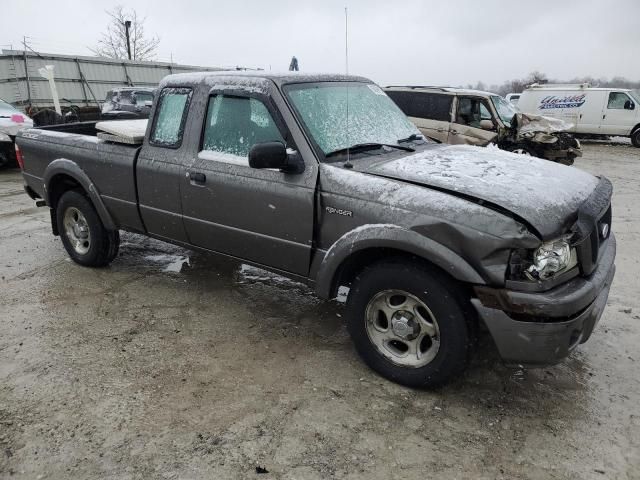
592,111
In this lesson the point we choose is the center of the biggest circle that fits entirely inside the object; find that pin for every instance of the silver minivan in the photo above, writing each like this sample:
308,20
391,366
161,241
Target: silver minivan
472,117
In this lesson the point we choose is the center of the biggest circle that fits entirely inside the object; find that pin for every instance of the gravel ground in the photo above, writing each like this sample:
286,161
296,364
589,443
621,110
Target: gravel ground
172,364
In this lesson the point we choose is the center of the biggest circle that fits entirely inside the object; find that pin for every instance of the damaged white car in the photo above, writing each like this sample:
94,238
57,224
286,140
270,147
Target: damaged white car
471,117
11,121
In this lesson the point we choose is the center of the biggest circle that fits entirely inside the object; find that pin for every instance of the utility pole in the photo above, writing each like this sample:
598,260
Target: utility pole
127,26
26,70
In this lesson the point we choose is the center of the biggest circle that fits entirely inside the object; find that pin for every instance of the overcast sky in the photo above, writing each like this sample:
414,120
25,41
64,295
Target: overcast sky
419,42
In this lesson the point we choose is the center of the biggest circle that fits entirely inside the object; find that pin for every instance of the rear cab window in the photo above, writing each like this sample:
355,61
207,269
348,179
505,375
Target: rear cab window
170,117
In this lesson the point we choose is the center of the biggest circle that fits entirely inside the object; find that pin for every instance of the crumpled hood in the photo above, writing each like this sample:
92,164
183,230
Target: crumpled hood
544,194
528,123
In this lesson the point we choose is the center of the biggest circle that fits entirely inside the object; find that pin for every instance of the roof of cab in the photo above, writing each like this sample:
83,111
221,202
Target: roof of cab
255,77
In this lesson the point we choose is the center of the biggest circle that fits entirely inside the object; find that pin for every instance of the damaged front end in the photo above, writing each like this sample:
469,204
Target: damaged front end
547,137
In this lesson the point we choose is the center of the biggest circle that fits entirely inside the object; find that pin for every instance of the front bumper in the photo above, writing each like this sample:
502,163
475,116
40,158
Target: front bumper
538,329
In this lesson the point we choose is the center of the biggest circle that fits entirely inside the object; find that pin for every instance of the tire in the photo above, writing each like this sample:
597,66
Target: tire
83,235
635,138
434,308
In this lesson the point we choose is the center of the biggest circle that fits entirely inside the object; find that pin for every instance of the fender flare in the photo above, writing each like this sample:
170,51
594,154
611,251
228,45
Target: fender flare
397,238
69,168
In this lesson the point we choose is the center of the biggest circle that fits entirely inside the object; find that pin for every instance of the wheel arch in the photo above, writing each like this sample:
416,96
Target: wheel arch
365,245
635,129
63,175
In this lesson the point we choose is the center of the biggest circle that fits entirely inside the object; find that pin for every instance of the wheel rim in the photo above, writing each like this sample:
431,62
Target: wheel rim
521,151
402,328
77,230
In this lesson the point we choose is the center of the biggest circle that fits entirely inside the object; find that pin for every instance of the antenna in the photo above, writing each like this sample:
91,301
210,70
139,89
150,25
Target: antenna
346,40
346,68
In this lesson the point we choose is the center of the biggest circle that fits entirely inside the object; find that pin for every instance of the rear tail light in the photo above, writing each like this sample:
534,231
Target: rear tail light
19,157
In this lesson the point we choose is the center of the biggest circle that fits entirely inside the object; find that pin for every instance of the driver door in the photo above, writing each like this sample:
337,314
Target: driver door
262,215
465,129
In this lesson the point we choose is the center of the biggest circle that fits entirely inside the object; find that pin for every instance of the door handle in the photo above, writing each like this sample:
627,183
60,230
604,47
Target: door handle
453,132
440,130
197,177
603,116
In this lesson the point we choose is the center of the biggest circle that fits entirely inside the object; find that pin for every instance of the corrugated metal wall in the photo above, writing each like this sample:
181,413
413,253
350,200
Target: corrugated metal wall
80,80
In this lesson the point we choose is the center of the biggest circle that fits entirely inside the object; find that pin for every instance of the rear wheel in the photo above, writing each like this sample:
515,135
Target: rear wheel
635,138
83,235
408,323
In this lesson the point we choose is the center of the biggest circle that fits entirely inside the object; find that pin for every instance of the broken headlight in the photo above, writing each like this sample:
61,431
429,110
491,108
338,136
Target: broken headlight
552,258
548,260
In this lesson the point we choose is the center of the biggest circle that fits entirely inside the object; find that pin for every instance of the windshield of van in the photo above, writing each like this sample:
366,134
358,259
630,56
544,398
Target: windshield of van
505,110
373,118
636,95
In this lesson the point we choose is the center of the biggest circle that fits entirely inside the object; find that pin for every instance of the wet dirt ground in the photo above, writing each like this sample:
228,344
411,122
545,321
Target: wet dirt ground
175,365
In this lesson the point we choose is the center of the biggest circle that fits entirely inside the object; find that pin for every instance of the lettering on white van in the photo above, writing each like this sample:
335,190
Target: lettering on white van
555,101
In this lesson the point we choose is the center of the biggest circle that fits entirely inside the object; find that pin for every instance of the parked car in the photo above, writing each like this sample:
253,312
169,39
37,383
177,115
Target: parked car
458,116
12,121
431,241
591,111
128,103
513,98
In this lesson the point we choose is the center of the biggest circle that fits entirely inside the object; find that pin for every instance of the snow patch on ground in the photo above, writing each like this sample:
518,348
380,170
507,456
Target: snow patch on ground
171,263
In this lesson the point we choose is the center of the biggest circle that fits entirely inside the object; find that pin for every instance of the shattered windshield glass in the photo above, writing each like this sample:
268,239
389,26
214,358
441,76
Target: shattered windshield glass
505,109
372,116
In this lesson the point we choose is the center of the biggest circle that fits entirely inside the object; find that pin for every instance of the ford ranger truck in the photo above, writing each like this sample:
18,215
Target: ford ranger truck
323,179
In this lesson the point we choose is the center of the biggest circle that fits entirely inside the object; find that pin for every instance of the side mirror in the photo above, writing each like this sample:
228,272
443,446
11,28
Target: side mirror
629,105
275,155
486,125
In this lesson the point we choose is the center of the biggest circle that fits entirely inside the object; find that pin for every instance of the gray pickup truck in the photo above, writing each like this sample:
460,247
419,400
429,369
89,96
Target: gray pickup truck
323,179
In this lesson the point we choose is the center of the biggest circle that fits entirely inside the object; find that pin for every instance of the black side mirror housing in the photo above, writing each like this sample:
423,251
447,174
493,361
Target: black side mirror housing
629,105
274,155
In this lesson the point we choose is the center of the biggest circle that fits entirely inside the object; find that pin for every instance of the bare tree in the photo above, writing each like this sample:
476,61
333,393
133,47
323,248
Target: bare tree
113,43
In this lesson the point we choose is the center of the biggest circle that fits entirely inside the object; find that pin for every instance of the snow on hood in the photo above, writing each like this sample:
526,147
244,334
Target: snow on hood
545,194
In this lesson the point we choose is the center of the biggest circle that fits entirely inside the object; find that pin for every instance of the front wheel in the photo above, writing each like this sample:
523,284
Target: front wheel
635,138
408,323
522,150
83,235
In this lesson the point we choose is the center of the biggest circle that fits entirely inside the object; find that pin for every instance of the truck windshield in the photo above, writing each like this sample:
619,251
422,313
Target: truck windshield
373,118
505,110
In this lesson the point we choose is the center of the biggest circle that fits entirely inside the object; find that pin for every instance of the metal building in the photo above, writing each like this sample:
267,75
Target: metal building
80,81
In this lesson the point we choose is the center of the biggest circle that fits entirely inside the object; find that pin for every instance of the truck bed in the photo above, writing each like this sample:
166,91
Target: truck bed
109,165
